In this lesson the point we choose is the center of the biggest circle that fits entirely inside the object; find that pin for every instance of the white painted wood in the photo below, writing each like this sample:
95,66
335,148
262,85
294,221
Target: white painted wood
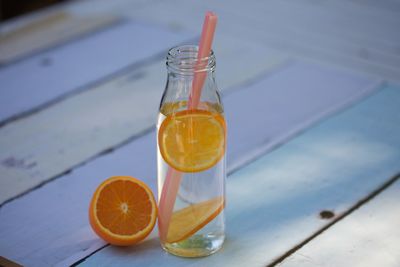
288,102
387,5
369,237
49,225
325,18
52,141
274,202
50,30
365,9
322,22
351,39
99,7
33,82
52,220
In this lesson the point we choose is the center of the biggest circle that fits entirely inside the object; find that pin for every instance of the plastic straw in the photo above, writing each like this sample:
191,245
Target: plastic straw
207,35
173,177
167,200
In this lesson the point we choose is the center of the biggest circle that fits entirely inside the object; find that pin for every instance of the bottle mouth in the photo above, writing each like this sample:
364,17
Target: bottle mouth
183,60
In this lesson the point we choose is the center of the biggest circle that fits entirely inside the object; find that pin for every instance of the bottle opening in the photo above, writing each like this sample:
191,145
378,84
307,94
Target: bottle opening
183,59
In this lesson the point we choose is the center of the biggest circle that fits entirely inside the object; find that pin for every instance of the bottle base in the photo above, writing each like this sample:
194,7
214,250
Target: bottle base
195,246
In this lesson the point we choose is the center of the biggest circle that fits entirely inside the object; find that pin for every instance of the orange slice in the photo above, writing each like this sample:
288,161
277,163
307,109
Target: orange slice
123,210
187,221
192,140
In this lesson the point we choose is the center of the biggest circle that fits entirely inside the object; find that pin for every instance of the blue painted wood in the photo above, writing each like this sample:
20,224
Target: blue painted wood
273,203
49,75
104,116
369,237
289,101
333,32
49,225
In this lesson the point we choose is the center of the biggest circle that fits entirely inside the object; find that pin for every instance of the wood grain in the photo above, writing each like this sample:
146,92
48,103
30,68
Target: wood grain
328,168
346,35
51,75
47,31
274,203
7,263
369,237
58,210
104,116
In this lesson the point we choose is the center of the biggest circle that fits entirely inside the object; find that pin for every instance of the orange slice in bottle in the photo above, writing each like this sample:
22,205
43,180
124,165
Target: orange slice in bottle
192,140
123,210
187,221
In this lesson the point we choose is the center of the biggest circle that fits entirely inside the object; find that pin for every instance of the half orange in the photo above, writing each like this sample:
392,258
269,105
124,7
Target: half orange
192,140
123,210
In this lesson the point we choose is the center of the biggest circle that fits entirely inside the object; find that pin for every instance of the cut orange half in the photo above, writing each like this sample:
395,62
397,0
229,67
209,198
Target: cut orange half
192,140
187,221
123,210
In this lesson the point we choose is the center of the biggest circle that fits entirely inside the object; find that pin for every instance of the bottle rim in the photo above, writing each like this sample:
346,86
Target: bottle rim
183,60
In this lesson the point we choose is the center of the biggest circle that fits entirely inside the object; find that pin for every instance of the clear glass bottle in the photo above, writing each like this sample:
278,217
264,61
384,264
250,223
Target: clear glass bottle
191,157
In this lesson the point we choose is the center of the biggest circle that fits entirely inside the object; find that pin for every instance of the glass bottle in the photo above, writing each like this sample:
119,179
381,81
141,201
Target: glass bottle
191,151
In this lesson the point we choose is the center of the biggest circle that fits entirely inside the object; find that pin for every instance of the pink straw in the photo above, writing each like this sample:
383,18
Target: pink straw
207,35
173,177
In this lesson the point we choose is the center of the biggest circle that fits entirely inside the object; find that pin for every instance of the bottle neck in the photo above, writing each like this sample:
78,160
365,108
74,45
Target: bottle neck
183,70
182,60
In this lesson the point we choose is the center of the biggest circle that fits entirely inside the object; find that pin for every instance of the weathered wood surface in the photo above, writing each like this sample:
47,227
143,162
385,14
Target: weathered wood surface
254,41
369,237
274,202
104,116
61,229
46,31
351,35
55,73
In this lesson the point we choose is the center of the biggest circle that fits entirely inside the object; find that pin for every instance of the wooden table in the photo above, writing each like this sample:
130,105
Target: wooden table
312,98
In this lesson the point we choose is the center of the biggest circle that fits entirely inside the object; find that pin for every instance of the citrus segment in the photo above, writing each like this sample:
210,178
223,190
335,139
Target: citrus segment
123,210
192,140
187,221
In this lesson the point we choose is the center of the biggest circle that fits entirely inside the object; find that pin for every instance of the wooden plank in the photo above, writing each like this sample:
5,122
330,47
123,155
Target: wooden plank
331,14
49,225
274,202
323,22
366,9
370,236
318,31
7,263
388,5
310,32
55,73
116,7
47,31
105,116
284,97
277,13
341,14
